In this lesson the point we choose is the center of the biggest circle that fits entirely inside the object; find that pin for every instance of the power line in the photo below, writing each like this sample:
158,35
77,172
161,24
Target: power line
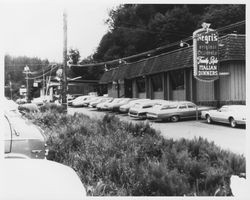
158,48
53,68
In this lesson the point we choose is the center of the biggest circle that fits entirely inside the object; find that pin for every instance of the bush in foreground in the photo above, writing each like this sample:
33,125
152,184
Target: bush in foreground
117,158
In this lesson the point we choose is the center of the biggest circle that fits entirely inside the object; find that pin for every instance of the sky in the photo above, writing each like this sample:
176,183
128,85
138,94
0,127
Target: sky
35,28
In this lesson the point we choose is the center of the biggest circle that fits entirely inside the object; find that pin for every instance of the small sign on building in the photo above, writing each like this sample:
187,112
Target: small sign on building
22,91
205,49
35,84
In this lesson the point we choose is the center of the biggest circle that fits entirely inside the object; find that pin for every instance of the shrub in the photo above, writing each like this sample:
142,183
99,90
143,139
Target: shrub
119,158
52,107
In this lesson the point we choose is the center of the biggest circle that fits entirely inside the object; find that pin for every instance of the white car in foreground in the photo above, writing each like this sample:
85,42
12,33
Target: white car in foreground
31,179
230,114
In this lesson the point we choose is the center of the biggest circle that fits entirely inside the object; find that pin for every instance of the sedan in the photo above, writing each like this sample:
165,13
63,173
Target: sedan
23,137
116,106
109,105
229,114
86,102
78,102
125,108
176,110
102,105
93,104
140,110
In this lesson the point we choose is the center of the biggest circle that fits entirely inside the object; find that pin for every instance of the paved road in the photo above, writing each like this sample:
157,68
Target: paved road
233,139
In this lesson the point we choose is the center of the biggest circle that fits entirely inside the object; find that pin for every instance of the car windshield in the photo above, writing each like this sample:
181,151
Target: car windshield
147,106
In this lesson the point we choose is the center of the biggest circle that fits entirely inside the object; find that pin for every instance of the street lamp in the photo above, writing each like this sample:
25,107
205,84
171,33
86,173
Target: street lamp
27,71
182,43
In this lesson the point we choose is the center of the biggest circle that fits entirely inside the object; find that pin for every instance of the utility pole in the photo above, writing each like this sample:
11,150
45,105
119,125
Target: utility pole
64,75
27,71
43,86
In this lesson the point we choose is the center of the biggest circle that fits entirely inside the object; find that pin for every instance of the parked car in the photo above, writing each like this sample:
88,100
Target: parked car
140,109
109,105
229,114
31,179
99,106
78,102
103,106
114,106
21,101
102,99
23,137
176,110
89,100
125,108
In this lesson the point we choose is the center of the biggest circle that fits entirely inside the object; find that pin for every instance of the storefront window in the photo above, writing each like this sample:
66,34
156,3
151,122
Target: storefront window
141,87
157,83
177,79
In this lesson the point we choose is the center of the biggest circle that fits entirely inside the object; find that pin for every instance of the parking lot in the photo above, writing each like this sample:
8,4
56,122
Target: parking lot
233,139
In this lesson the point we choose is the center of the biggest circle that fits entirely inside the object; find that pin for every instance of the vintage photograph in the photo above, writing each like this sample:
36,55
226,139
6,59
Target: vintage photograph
123,99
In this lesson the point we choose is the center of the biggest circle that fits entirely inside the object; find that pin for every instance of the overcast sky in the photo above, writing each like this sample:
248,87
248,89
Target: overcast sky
35,28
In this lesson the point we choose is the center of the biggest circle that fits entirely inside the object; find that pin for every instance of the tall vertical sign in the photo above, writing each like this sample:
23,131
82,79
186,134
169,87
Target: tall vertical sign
64,74
205,49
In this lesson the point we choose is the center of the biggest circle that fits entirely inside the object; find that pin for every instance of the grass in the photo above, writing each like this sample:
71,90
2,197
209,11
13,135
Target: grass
115,158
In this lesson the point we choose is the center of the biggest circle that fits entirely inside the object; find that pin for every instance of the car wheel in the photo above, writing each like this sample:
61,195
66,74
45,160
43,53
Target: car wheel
209,120
232,122
174,118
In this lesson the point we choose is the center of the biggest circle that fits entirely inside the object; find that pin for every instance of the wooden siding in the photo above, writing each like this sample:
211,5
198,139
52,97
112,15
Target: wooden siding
158,95
121,90
178,95
233,86
112,91
204,91
134,89
142,95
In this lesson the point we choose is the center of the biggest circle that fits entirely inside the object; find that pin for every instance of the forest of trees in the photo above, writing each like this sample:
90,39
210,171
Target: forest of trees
135,28
14,75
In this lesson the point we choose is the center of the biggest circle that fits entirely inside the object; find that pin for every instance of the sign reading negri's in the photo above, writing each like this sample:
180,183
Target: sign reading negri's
205,48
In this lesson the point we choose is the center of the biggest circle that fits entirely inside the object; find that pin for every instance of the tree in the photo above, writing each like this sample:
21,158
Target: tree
14,66
222,15
135,28
74,56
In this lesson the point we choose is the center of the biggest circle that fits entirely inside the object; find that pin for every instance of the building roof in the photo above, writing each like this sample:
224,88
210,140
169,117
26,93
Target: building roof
233,48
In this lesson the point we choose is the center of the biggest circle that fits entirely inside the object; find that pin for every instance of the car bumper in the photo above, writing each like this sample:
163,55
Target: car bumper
138,115
123,110
241,122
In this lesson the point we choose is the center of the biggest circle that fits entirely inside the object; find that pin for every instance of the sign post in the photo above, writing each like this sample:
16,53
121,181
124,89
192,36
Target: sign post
205,55
205,49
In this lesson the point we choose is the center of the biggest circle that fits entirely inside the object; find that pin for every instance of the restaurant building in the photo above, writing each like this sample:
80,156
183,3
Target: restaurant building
169,76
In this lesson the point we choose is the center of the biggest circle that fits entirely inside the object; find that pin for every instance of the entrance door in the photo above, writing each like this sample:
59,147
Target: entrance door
128,88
